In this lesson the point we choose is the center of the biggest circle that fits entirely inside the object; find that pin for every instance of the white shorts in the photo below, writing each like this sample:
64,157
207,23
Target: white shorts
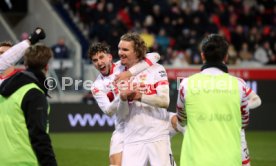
116,142
157,153
244,149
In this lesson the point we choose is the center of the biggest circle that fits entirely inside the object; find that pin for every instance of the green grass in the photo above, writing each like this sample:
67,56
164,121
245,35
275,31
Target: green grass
91,149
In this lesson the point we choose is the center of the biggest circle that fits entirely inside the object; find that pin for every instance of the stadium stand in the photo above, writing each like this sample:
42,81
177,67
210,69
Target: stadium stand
177,26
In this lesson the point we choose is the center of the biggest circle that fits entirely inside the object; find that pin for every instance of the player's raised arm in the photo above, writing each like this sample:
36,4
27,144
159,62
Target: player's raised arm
14,54
149,60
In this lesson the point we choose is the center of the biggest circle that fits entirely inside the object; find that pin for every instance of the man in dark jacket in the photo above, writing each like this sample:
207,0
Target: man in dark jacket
24,113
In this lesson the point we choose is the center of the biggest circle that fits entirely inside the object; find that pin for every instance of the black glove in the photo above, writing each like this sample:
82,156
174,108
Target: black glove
38,34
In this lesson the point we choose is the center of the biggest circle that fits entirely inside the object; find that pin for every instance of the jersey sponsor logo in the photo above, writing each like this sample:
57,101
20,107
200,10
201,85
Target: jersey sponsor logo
90,120
147,89
214,117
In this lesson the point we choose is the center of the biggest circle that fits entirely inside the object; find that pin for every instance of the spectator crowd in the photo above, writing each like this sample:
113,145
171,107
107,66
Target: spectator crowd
174,28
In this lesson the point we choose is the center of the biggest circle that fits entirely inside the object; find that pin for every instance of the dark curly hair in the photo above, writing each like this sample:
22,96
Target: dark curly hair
97,47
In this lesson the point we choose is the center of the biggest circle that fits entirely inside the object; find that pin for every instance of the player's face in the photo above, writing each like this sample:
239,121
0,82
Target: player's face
126,53
102,62
3,49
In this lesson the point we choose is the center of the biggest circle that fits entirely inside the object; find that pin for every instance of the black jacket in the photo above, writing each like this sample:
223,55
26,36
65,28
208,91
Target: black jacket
35,108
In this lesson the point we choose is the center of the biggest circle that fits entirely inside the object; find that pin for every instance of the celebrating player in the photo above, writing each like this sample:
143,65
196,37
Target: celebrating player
147,124
106,94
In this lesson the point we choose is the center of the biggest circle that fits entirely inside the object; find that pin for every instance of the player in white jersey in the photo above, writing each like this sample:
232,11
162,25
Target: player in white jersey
106,93
254,101
10,55
147,124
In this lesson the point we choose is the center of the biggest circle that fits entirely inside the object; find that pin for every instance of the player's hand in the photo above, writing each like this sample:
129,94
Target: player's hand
136,96
127,95
123,76
122,85
36,35
174,122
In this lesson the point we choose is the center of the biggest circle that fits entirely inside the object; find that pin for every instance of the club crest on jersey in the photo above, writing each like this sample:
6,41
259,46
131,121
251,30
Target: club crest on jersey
143,77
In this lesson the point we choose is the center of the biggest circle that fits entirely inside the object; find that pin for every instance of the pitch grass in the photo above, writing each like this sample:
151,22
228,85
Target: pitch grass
91,149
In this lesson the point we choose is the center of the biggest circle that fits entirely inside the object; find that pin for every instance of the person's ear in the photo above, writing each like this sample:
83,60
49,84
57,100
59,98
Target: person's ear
203,57
225,59
111,57
46,68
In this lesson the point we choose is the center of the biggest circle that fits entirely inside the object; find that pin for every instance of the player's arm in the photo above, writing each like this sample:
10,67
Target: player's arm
35,109
109,107
149,60
175,123
180,104
244,103
14,54
162,97
254,100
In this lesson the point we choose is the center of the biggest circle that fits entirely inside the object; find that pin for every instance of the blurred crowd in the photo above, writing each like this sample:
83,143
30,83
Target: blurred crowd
174,27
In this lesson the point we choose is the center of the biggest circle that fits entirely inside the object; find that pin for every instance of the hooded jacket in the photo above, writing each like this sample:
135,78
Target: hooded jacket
35,109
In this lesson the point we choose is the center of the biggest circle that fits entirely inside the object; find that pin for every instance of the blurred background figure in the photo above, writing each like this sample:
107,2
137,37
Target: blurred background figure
24,36
60,50
61,60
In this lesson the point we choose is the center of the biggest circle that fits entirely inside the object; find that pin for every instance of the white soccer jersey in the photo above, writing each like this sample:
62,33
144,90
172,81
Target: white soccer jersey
145,122
11,56
105,93
109,101
244,92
